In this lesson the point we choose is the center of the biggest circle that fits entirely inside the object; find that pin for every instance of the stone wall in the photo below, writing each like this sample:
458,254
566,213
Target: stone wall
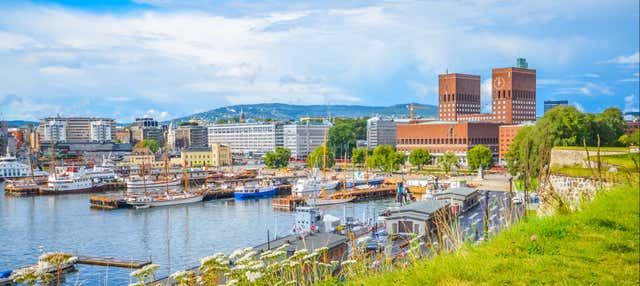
562,157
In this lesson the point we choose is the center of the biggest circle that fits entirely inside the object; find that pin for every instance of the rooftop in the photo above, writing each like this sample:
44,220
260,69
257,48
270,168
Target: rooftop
310,242
423,209
462,191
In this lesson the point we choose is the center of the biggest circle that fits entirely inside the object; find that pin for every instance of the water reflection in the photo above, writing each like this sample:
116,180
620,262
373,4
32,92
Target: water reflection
174,237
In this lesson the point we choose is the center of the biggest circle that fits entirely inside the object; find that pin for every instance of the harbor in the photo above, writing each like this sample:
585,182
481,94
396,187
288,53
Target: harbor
174,237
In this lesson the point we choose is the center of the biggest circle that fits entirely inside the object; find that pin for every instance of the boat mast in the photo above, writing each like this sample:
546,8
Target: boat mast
144,180
366,166
53,158
324,161
166,164
31,165
353,170
185,177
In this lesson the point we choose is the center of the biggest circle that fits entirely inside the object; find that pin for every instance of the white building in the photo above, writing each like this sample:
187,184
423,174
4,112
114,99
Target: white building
100,131
247,138
301,139
55,130
381,132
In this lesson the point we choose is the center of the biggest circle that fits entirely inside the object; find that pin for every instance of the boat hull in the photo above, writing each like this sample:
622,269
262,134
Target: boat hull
372,182
50,191
326,202
270,192
140,185
173,202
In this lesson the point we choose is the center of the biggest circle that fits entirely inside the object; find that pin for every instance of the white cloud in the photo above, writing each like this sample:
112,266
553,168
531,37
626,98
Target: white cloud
485,95
588,89
187,59
60,71
158,115
630,59
578,106
631,103
635,78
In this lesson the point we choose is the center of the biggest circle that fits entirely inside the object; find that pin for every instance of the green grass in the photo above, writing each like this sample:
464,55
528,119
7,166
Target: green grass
623,160
595,246
594,149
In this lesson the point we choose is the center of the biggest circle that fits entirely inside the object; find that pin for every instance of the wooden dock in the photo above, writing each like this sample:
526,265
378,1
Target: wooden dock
288,203
108,202
111,261
382,191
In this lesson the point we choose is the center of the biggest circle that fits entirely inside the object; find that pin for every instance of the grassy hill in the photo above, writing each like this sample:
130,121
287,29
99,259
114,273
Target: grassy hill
595,246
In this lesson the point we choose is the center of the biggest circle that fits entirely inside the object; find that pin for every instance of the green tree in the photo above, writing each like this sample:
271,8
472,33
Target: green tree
386,158
278,158
359,155
314,160
480,155
342,138
609,125
222,121
448,161
419,157
150,144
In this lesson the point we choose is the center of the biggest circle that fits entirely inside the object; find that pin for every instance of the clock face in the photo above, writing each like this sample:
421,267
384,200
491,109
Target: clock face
498,82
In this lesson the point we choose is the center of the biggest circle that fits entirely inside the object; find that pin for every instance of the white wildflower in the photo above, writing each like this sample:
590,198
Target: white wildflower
348,262
232,282
253,276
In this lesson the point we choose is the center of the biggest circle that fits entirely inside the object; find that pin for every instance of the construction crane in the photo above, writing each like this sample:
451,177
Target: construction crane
412,107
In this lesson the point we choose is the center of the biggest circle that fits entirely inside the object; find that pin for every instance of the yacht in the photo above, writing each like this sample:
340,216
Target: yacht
166,199
137,182
312,185
258,191
71,180
365,179
10,167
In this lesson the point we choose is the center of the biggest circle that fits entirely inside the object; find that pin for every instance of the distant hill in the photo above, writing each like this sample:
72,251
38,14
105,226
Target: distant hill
21,123
282,111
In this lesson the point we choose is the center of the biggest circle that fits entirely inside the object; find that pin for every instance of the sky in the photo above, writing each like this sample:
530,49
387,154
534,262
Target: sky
170,58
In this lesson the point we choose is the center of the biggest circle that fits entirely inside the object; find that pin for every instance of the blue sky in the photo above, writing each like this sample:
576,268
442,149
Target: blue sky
169,58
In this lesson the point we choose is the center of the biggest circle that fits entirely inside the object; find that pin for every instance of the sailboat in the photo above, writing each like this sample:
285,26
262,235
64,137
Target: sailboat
169,198
322,200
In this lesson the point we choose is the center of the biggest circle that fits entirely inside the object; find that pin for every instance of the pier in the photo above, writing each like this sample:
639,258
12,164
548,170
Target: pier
288,203
383,191
111,261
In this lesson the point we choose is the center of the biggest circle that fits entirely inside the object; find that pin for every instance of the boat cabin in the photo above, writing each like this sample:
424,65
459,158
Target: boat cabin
461,199
414,219
336,244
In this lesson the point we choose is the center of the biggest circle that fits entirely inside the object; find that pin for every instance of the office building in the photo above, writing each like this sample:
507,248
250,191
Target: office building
513,96
146,129
506,134
249,139
188,135
76,130
217,155
4,137
439,137
550,104
458,94
380,132
302,138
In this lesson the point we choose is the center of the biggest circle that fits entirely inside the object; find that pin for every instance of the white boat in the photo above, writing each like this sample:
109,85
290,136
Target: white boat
10,167
71,180
326,202
46,267
166,199
137,182
312,186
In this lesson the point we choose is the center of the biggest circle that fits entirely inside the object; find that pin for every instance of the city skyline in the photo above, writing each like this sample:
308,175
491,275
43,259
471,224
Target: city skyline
167,59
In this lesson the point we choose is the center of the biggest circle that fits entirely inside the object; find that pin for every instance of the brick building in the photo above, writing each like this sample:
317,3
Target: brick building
506,134
442,136
462,125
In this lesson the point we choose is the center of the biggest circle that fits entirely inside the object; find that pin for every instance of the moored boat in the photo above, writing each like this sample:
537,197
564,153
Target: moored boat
247,192
137,182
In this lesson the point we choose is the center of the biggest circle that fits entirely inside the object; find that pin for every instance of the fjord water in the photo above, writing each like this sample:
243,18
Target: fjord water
175,237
